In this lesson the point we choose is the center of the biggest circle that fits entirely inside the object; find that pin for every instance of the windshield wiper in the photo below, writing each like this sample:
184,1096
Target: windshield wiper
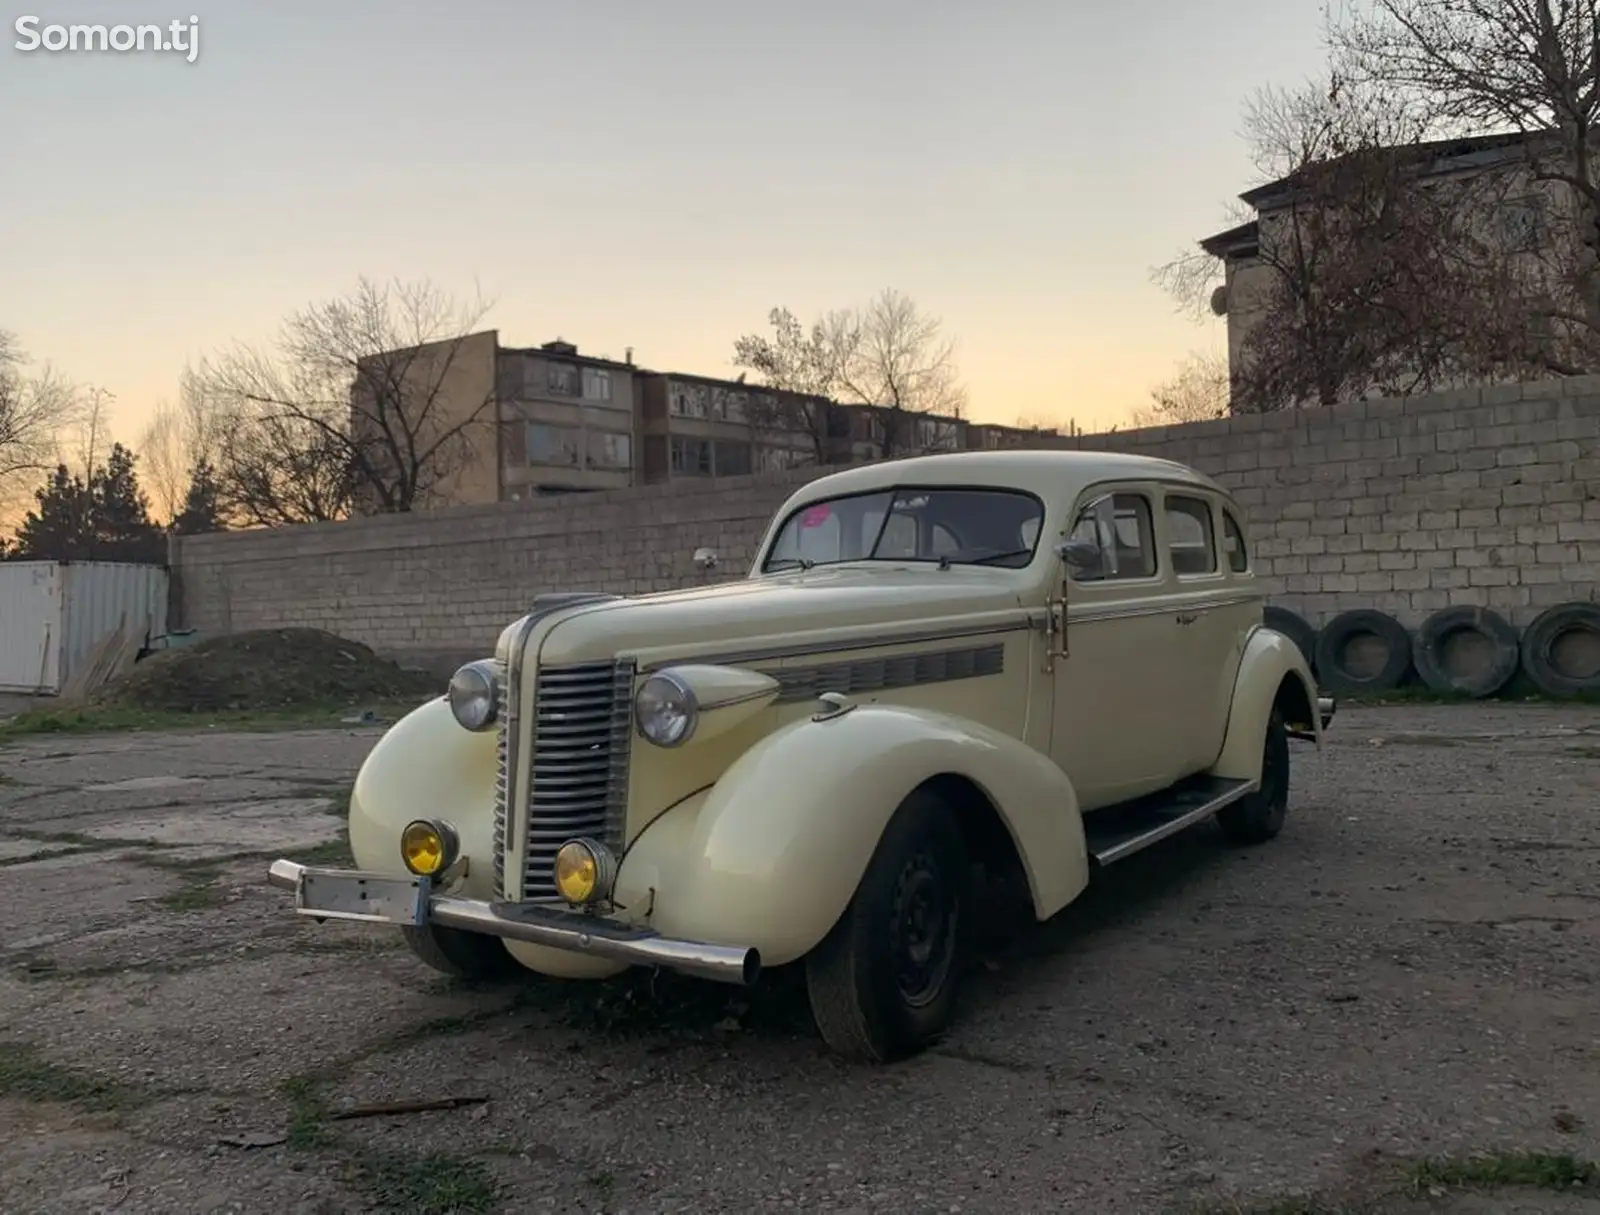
1018,552
783,563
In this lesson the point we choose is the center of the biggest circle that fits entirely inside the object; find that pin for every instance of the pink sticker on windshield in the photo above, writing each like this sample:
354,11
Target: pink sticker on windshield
816,516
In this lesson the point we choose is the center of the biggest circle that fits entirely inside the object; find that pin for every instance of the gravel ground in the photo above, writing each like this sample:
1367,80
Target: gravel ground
1407,972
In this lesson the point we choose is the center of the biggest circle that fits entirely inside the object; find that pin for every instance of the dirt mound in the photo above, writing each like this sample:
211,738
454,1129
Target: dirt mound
264,669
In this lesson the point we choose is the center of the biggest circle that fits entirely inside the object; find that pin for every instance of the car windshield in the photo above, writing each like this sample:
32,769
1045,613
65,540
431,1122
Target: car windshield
912,523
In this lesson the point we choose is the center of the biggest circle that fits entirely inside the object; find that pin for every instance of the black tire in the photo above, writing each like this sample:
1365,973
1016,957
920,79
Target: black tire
1296,628
1569,626
470,956
854,977
1337,673
1449,626
1257,818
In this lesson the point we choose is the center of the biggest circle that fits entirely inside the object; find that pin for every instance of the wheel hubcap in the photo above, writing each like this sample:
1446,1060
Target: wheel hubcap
923,933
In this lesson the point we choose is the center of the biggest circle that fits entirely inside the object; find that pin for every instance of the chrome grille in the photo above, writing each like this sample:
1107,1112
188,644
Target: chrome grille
582,730
502,778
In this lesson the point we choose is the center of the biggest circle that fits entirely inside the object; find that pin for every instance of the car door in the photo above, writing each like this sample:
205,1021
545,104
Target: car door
1200,673
1108,732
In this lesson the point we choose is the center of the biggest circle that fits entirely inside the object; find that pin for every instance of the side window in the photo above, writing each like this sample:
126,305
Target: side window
1190,538
1233,543
1119,527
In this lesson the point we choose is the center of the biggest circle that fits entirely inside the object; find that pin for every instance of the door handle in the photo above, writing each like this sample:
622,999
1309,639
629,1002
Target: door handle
1188,617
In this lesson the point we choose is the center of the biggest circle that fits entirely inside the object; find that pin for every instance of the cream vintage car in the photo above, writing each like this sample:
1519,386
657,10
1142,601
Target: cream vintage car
1037,660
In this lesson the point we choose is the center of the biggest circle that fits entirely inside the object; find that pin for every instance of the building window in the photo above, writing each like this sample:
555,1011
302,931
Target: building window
561,379
553,444
608,450
687,400
731,459
596,384
1521,223
691,457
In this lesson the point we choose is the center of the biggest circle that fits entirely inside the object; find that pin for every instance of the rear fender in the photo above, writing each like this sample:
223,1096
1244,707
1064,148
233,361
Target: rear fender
1273,672
770,855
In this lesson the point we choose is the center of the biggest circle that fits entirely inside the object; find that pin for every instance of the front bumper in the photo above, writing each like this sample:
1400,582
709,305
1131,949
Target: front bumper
382,898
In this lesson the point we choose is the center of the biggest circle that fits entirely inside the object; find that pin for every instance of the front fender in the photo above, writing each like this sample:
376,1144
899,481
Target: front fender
427,766
1269,659
770,855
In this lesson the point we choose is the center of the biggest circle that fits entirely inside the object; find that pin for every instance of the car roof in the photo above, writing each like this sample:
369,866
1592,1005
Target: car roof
1049,474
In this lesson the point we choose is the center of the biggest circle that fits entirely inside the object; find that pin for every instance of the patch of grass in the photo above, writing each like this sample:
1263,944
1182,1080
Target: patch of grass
198,891
434,1184
26,1076
308,1113
339,803
95,843
332,852
1518,691
1523,1170
112,719
1308,1205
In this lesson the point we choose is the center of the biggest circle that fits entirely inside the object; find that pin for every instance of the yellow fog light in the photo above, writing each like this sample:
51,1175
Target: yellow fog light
584,871
427,847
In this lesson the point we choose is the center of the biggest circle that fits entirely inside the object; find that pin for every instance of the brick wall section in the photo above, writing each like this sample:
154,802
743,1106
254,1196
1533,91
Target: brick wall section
1487,496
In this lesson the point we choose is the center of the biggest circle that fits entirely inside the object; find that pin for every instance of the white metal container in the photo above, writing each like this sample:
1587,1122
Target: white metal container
53,614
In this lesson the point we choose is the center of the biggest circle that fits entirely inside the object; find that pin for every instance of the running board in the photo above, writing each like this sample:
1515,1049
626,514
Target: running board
1117,832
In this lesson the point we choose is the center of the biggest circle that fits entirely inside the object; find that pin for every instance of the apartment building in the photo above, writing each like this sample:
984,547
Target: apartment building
1514,207
877,432
553,419
567,420
696,426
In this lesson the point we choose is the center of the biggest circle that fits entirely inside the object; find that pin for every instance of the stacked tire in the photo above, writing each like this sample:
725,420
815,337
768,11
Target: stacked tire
1461,651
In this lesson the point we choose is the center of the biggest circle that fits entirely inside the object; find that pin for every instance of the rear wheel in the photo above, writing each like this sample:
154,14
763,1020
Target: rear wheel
1259,817
462,955
883,983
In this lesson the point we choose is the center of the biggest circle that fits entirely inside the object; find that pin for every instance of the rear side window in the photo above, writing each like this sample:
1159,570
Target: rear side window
1191,542
1233,543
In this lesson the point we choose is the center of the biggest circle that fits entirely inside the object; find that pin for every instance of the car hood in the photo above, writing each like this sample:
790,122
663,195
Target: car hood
809,607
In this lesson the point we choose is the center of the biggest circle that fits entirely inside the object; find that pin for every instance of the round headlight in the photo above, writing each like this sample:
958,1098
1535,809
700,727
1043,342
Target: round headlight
584,872
665,711
428,847
473,695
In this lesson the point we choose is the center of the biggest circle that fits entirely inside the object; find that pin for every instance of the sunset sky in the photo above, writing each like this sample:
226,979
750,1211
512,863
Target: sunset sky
653,175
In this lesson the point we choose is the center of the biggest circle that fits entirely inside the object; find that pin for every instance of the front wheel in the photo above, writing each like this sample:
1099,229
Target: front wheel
1259,817
883,983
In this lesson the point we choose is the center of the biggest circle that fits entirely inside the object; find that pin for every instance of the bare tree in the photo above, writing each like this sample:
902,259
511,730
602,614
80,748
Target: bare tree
359,406
38,410
803,364
1526,66
901,362
178,440
889,355
1198,392
1370,273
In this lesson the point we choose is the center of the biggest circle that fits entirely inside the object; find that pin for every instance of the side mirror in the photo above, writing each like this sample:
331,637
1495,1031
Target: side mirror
705,559
1082,555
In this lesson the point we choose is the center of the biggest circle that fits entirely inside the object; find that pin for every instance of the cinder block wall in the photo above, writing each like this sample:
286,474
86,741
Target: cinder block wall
1487,497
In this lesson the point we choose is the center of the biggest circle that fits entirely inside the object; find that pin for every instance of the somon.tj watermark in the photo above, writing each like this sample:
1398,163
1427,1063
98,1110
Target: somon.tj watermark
177,35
